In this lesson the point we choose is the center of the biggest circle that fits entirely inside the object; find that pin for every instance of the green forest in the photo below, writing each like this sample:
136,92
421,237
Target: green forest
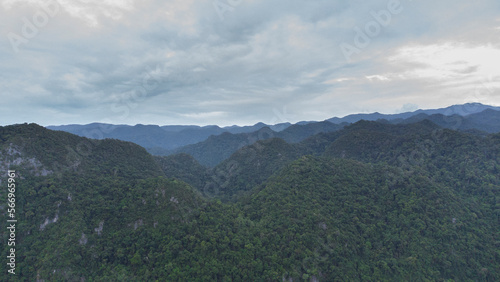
370,202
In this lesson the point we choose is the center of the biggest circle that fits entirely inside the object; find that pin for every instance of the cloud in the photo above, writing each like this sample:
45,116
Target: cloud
176,61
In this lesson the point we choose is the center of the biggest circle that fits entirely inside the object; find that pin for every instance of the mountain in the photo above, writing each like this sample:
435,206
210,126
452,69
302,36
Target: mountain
460,110
46,152
75,196
377,201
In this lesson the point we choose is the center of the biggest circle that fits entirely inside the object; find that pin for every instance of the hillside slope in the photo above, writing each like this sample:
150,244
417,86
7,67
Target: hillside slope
344,220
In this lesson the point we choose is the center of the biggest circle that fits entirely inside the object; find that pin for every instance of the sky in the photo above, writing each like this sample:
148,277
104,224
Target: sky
240,62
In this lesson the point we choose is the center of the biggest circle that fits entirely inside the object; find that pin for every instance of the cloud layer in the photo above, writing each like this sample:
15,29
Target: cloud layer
242,61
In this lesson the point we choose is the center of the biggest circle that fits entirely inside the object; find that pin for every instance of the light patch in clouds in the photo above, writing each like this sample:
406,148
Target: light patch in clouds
450,60
90,11
337,80
464,71
377,77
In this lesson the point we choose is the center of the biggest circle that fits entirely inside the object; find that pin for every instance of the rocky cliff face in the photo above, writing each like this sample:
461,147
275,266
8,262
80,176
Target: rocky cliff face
12,155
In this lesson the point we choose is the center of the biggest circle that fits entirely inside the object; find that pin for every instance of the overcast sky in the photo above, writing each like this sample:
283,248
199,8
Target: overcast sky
242,61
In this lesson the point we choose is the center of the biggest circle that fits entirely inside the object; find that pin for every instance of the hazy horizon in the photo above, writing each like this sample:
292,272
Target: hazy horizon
242,125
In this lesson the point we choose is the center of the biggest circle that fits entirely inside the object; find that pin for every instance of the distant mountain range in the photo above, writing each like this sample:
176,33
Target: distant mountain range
460,110
487,121
210,145
153,136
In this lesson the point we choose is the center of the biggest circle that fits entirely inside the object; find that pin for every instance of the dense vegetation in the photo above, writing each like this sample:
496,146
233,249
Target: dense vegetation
371,202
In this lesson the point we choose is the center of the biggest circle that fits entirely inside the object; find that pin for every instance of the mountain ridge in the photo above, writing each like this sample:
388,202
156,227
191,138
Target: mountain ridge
171,137
461,110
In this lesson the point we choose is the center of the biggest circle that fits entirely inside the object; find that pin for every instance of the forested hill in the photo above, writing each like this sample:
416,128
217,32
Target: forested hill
345,220
370,202
45,152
